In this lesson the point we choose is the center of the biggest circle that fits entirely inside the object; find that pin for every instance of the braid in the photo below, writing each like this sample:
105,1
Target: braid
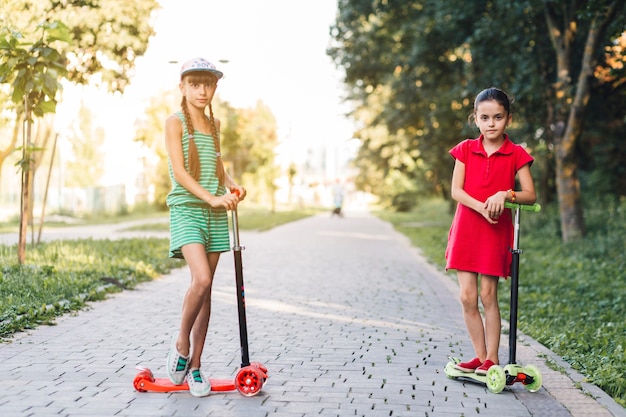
192,155
219,165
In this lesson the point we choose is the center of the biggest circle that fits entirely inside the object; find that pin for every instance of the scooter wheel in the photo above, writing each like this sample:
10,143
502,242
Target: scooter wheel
533,371
496,379
145,373
142,376
261,368
140,380
138,383
249,381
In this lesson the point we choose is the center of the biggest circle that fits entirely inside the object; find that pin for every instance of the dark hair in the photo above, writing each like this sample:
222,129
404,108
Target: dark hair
496,95
193,157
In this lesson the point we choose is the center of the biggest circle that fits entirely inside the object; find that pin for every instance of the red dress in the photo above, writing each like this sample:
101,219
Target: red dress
474,244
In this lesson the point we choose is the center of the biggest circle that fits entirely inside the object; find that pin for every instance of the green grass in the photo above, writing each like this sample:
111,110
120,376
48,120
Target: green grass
62,276
572,296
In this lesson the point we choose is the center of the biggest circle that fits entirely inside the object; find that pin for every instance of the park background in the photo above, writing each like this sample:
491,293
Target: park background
372,93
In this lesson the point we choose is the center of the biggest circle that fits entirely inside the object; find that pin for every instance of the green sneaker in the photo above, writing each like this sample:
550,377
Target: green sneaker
198,385
177,364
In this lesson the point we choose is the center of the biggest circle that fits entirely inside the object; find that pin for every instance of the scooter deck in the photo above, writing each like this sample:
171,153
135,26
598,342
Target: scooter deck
452,372
495,380
497,377
146,382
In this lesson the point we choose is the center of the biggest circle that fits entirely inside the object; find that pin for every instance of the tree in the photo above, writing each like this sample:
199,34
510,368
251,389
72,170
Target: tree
102,40
34,62
425,61
572,91
12,126
150,132
253,145
106,35
34,74
404,66
87,167
604,159
255,158
560,45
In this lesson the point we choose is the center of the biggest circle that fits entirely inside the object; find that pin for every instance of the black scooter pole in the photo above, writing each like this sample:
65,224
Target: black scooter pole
516,251
241,294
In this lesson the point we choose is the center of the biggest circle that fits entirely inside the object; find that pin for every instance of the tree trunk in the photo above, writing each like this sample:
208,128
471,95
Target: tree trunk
568,134
38,145
45,195
568,187
26,172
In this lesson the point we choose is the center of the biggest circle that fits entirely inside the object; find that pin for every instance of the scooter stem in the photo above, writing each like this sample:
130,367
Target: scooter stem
516,252
241,293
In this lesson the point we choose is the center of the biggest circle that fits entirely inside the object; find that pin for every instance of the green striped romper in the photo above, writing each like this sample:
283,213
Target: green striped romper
191,219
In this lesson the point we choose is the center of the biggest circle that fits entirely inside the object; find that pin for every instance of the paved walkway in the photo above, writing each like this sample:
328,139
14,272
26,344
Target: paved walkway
347,317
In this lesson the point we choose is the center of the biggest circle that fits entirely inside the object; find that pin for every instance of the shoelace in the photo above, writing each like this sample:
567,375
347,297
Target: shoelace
197,377
181,365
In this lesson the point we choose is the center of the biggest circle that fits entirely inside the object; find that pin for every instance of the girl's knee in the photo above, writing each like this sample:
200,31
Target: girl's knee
489,299
202,284
469,300
489,290
468,290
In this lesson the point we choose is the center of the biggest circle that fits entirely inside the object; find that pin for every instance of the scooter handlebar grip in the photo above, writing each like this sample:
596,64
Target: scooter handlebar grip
536,208
235,191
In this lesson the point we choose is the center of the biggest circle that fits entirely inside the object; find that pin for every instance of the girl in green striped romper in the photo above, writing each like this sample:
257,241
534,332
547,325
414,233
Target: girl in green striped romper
198,205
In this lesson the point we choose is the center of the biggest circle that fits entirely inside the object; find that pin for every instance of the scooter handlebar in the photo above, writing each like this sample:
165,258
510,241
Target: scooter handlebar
536,208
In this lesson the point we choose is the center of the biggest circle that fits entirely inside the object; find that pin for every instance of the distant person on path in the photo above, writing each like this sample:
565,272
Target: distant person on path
198,204
481,233
338,196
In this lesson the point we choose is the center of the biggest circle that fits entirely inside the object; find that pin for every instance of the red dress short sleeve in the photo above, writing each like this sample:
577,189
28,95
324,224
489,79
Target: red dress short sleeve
473,243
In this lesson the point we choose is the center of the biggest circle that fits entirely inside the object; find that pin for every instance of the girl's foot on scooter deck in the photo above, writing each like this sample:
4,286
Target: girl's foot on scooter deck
469,366
177,364
482,369
199,386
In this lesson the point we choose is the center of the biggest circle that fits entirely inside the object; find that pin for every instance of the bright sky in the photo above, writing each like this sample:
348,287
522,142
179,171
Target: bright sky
276,52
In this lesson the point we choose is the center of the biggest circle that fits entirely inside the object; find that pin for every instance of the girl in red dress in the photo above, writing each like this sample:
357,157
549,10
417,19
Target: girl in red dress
481,234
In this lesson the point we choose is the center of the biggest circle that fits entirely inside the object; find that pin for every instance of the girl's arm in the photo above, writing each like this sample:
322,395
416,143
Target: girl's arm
495,203
173,143
232,185
527,194
458,193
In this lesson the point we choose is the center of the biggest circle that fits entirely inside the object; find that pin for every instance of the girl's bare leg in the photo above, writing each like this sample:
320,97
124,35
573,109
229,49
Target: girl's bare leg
489,298
201,325
197,294
468,283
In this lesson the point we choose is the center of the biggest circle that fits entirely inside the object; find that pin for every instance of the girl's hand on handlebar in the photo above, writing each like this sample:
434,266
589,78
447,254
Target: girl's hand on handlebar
239,191
228,201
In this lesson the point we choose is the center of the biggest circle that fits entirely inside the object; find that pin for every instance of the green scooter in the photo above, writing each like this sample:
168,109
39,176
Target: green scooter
498,377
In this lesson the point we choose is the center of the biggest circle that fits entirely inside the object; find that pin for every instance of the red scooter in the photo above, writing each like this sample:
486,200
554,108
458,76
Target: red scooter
250,378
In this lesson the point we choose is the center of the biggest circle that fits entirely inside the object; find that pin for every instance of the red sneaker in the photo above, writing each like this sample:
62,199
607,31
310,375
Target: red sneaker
468,366
482,369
